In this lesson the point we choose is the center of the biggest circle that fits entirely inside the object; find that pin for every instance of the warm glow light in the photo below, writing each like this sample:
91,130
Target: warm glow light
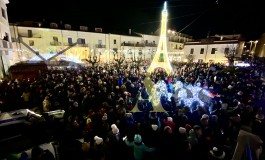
161,57
160,60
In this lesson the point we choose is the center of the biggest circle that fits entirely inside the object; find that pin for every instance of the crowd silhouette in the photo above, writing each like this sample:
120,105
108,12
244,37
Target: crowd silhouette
98,100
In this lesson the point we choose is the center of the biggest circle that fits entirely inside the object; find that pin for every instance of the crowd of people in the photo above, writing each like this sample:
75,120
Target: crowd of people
98,101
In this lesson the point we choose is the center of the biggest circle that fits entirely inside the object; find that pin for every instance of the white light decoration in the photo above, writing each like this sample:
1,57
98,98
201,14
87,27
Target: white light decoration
161,88
242,64
190,94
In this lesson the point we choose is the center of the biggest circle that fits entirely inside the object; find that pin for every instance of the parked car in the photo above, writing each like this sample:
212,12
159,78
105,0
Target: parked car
21,130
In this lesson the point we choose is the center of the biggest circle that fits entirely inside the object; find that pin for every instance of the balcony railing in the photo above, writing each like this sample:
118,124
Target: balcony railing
29,36
133,44
100,46
54,43
151,45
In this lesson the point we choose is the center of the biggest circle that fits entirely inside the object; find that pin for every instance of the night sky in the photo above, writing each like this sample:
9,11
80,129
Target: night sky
194,17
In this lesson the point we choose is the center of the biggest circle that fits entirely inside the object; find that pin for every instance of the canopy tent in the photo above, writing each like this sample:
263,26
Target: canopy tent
60,57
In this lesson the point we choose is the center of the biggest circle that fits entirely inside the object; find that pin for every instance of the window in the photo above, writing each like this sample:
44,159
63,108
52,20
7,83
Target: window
191,50
114,41
154,42
3,13
82,41
146,41
176,46
70,40
31,42
55,39
29,33
202,51
6,37
213,51
226,50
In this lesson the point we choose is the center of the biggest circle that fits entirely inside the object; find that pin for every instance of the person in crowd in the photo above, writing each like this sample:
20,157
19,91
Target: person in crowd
138,147
95,97
46,104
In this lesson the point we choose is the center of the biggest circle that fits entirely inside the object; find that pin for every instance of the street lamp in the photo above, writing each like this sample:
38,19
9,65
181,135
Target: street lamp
254,48
250,45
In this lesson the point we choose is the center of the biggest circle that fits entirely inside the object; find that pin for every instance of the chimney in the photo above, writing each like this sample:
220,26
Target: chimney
130,31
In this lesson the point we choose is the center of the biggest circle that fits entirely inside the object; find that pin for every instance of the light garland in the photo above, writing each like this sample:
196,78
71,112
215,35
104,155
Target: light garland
190,94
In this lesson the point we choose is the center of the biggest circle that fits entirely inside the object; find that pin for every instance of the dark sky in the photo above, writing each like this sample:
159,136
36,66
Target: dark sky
193,17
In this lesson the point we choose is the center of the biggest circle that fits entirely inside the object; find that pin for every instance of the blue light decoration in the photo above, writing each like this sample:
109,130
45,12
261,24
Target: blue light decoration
190,94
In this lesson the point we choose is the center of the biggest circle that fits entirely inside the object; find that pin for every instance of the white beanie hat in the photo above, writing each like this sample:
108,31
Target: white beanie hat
105,116
205,116
230,87
182,130
75,104
98,140
154,127
240,93
169,119
114,129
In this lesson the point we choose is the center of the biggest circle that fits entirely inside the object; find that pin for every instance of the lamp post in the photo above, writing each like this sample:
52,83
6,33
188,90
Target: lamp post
250,47
254,48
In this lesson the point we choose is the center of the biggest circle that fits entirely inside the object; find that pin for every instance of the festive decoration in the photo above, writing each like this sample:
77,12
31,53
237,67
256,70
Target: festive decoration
161,57
186,94
190,94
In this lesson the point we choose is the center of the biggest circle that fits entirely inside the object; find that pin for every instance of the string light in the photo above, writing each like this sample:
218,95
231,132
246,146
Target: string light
190,94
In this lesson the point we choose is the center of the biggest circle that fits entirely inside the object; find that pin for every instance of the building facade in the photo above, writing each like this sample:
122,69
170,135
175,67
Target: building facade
213,51
5,40
28,40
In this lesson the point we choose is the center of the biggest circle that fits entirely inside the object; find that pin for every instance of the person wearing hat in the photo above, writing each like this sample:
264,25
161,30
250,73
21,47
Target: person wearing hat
199,143
100,149
138,147
217,154
115,143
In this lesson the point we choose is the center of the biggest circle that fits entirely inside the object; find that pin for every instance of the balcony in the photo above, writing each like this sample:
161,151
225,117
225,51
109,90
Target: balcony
29,36
100,46
55,43
150,45
133,44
